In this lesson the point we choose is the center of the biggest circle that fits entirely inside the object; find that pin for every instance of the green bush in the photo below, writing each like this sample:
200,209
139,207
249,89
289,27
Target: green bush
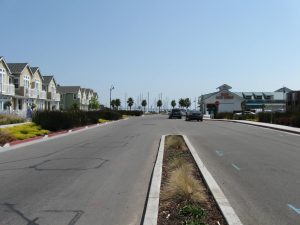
295,120
59,120
224,115
10,119
131,113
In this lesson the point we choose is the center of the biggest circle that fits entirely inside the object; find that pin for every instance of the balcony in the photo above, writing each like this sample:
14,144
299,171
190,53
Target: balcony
7,89
53,96
42,95
31,93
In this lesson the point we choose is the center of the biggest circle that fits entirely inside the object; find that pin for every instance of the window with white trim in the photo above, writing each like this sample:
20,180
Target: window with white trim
36,84
26,81
2,78
16,82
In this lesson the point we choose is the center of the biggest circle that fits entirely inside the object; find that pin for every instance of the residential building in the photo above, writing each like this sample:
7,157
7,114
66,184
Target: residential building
52,95
7,88
293,101
37,86
224,100
25,95
69,97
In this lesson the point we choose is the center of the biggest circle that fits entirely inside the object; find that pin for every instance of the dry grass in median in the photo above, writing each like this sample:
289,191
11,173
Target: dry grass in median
184,199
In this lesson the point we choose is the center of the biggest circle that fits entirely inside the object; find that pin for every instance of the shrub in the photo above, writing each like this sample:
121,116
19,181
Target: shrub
295,120
131,113
10,119
59,120
183,186
25,131
264,117
5,137
224,115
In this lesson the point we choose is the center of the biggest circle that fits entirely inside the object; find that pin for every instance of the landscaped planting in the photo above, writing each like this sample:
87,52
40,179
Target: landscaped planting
22,132
10,119
58,120
184,198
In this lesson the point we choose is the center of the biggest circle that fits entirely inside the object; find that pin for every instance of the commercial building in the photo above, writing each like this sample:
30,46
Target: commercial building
293,101
225,100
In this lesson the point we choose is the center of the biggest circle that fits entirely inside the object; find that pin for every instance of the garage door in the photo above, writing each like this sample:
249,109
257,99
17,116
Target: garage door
226,107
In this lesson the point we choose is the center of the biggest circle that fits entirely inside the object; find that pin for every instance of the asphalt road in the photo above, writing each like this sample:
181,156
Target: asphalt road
101,176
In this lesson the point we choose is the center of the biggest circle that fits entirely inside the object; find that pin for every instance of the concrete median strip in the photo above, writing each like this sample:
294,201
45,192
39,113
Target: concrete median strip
152,208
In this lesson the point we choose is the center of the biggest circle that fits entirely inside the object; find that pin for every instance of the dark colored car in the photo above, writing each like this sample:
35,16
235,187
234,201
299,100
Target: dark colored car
175,113
194,115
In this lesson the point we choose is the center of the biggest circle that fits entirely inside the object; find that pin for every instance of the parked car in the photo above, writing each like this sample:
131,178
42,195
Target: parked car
175,113
194,115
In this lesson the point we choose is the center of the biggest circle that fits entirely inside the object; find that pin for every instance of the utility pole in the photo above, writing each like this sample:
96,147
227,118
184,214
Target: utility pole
148,101
125,102
111,88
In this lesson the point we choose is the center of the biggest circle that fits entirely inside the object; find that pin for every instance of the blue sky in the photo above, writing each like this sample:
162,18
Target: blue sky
178,48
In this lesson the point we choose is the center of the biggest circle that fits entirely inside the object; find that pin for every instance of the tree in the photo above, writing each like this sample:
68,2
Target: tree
159,105
173,103
7,105
113,103
187,103
130,102
181,103
118,103
75,106
94,103
243,106
144,104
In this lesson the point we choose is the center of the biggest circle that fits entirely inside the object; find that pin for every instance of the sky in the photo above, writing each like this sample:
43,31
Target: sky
172,48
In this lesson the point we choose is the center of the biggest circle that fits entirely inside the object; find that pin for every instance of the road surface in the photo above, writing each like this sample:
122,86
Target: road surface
101,176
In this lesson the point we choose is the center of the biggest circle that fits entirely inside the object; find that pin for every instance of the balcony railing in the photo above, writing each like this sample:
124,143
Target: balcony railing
53,96
7,89
31,93
42,94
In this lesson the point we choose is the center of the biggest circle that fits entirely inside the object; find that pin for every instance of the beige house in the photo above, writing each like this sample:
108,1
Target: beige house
25,95
7,88
53,97
37,86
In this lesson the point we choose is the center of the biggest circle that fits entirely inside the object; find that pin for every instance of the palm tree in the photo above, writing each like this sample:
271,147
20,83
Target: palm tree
159,104
173,103
181,102
187,103
130,102
113,103
144,104
118,103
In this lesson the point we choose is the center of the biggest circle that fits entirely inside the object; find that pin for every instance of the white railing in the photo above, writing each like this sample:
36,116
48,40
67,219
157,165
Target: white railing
42,95
55,96
7,89
31,93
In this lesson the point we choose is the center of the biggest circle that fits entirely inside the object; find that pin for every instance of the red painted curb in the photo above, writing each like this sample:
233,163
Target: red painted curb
25,141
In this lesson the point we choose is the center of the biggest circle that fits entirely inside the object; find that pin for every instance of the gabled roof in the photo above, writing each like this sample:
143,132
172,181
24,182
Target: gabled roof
17,68
224,87
47,79
2,59
284,90
36,69
206,96
68,89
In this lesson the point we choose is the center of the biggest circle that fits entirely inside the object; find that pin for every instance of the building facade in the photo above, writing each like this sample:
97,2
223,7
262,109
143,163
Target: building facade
293,102
7,88
225,100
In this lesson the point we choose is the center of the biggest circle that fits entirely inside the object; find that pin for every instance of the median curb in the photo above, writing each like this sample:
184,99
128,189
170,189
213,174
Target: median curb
223,203
278,127
151,212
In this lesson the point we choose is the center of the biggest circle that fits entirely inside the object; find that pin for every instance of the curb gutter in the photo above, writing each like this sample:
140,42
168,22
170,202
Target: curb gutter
151,214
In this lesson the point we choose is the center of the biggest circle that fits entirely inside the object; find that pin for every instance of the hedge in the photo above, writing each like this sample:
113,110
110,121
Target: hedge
60,120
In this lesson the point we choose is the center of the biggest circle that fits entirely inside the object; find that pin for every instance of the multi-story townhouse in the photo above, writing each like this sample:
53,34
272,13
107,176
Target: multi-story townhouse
53,97
37,86
7,88
84,104
25,95
89,95
71,96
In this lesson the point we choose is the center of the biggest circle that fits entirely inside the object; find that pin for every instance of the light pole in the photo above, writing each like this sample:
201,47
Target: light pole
110,90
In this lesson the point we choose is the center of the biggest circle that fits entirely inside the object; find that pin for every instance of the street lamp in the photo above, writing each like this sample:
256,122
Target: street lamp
110,90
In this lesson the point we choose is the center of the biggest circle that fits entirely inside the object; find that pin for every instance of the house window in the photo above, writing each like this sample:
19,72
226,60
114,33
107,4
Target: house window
2,78
74,96
26,81
258,97
36,84
16,82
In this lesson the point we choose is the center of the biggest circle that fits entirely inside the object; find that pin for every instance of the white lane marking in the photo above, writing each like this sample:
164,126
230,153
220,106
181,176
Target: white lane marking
236,167
220,153
294,208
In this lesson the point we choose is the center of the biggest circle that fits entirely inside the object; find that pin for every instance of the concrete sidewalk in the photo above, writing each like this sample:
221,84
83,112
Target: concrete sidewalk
294,130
